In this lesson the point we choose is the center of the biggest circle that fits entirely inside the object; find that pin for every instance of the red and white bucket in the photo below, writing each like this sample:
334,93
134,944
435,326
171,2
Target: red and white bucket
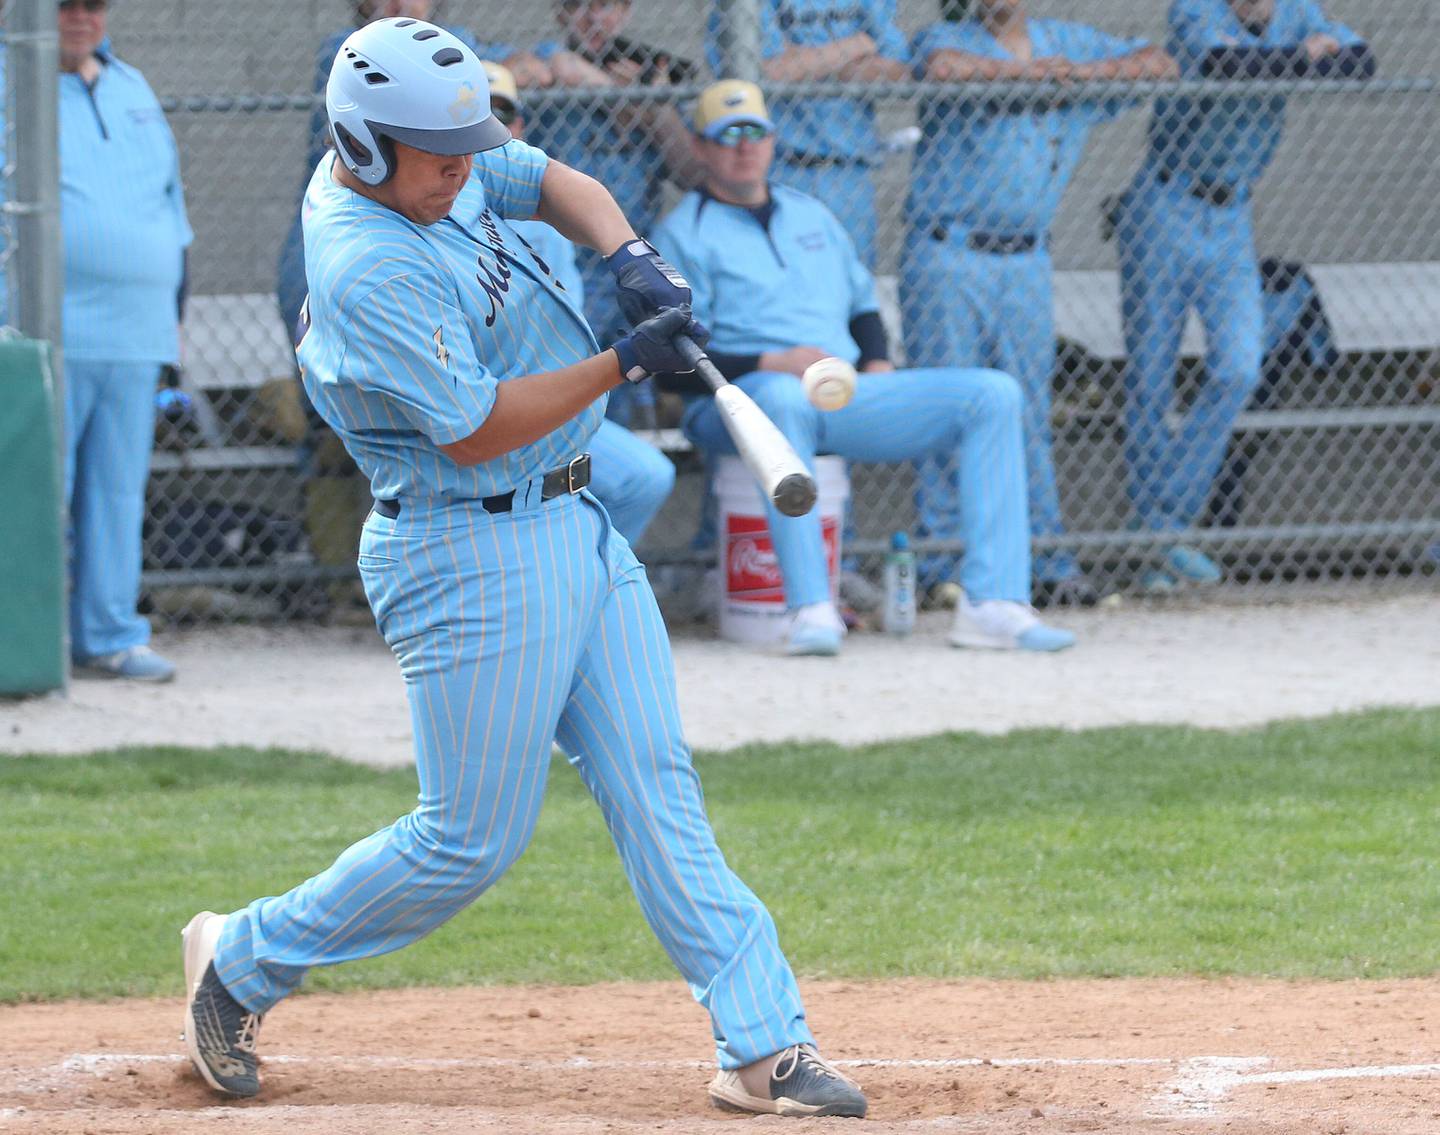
752,605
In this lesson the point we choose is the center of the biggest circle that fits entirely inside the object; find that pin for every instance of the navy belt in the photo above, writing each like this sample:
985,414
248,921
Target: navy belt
1215,193
569,478
822,161
997,244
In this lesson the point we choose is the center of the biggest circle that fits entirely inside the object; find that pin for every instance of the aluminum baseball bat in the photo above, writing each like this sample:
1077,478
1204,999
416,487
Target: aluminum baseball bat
772,460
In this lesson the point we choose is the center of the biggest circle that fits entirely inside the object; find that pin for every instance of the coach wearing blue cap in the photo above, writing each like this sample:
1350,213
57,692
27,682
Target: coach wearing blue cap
125,233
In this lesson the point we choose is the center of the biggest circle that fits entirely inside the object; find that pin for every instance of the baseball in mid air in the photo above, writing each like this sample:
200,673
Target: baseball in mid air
829,383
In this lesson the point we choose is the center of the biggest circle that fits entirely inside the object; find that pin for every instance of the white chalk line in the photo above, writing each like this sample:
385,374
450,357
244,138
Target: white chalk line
1204,1083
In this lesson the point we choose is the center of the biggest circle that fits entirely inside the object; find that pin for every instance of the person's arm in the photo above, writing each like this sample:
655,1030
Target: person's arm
531,406
797,64
1148,62
580,209
529,69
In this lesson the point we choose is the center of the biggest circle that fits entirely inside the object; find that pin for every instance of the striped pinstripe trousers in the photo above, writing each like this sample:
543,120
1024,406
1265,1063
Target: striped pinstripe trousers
514,631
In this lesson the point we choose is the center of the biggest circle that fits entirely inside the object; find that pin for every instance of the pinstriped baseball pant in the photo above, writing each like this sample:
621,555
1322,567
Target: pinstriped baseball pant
513,631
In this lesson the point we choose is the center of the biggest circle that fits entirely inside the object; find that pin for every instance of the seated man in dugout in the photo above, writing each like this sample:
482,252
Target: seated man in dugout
778,280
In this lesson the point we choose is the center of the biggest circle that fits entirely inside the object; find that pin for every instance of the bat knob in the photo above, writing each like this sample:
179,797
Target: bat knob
795,494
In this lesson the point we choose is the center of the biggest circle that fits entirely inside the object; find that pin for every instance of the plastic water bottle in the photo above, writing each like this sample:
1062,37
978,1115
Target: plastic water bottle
899,613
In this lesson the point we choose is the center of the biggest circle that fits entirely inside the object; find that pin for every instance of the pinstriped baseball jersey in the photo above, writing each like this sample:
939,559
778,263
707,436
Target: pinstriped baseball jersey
412,327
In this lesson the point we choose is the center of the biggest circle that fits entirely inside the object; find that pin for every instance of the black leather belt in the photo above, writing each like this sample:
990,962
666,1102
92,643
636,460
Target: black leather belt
1211,192
821,161
997,244
569,478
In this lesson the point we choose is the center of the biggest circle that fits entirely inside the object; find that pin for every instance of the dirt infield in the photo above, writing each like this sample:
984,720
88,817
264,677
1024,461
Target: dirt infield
1240,1057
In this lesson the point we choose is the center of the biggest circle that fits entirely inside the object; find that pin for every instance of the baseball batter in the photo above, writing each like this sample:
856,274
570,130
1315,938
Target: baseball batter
975,281
466,384
1186,237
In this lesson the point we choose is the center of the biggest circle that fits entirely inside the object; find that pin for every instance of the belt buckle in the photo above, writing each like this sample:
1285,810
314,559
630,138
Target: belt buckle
579,463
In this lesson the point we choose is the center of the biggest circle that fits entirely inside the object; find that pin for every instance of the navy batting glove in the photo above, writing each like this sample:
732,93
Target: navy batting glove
647,283
650,348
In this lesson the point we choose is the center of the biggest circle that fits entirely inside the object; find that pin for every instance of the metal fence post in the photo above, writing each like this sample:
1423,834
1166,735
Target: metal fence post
36,267
740,38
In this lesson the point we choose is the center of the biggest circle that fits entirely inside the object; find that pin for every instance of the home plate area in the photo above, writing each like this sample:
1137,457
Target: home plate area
1155,1055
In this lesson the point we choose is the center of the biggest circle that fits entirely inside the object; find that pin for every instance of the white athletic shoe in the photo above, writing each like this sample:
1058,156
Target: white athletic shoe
796,1082
816,628
1001,624
219,1032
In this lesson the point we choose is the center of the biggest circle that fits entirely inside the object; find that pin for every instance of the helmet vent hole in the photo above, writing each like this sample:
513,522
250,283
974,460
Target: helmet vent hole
407,23
360,65
375,79
428,33
447,56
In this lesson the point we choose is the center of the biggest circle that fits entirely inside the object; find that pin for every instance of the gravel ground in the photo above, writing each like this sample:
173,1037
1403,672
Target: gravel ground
1223,664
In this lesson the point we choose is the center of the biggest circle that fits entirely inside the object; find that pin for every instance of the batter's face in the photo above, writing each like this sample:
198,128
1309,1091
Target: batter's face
1256,13
593,24
424,186
82,28
737,171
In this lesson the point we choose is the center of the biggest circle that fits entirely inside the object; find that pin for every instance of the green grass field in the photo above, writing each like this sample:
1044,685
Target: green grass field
1303,849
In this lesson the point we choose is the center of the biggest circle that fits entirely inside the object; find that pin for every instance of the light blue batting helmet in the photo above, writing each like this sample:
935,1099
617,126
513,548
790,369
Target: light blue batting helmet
407,81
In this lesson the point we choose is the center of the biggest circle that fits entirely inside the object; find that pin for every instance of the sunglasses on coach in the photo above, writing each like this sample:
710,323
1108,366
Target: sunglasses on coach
86,5
741,132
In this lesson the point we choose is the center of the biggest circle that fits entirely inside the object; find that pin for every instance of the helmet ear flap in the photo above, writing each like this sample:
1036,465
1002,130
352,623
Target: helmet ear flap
360,158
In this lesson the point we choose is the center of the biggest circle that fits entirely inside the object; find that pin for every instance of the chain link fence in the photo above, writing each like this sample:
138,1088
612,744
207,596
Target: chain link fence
1249,376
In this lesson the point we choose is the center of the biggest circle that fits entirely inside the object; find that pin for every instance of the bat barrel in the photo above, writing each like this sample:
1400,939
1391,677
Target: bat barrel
794,495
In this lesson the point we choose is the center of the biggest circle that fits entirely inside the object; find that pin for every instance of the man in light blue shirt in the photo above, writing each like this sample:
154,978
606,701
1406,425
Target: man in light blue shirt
987,182
123,219
1186,238
826,145
779,282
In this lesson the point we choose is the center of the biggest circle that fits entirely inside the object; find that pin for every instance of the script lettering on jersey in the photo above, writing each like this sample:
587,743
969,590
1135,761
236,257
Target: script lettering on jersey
495,282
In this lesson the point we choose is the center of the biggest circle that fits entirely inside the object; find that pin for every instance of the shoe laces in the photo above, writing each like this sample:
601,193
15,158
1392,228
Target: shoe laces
807,1056
249,1033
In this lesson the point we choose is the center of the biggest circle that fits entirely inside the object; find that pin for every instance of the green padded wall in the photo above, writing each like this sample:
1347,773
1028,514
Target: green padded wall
32,570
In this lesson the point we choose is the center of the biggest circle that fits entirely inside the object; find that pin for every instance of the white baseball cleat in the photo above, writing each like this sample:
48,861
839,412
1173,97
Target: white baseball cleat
219,1032
1001,624
795,1082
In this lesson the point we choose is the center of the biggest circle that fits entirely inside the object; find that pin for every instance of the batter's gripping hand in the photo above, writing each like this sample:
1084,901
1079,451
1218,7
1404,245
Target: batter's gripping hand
650,348
646,282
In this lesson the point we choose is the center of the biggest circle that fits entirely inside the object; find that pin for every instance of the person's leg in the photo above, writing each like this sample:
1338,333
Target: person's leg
622,731
630,477
799,548
111,465
487,635
1231,308
947,296
1025,331
973,417
1153,245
